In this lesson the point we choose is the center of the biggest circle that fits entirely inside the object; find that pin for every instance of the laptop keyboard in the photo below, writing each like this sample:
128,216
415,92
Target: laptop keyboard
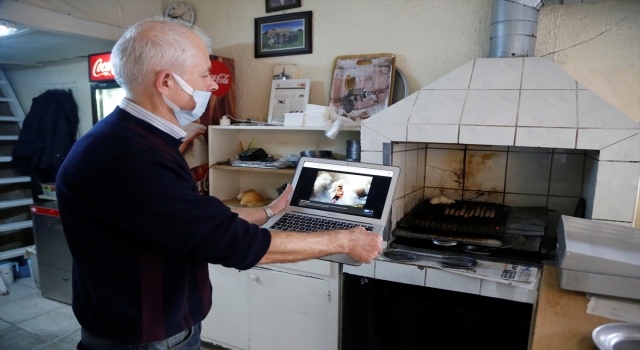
304,223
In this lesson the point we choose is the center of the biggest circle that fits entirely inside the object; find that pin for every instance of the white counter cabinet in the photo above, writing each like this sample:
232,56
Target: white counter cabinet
278,306
225,142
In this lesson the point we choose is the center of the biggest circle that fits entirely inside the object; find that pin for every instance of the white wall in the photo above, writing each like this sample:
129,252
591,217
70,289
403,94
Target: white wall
609,64
104,20
30,82
430,38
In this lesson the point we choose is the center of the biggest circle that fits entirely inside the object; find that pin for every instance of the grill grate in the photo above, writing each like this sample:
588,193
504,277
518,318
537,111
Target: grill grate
478,219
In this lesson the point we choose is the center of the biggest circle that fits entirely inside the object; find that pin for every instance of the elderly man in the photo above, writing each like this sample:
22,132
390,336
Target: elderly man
140,234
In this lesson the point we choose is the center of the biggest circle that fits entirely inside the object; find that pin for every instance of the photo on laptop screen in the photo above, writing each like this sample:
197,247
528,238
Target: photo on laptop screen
343,189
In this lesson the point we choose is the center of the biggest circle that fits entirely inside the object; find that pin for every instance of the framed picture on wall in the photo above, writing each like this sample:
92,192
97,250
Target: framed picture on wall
279,5
283,35
362,85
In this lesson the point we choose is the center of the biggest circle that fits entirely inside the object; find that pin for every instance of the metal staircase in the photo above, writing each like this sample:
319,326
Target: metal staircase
16,228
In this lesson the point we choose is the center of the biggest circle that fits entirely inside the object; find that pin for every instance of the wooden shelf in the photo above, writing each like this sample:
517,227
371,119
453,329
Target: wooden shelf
226,142
235,203
14,253
261,170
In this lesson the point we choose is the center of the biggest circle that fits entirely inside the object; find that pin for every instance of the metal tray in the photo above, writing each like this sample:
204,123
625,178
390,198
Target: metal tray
616,286
617,336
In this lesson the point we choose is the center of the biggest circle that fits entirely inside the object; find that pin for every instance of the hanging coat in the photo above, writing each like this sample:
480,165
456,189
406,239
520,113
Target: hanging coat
48,132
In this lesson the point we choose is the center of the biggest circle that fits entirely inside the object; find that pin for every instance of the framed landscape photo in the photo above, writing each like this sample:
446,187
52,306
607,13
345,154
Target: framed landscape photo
283,35
279,5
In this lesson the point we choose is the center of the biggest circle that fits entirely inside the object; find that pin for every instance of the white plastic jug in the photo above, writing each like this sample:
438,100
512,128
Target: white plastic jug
6,271
33,264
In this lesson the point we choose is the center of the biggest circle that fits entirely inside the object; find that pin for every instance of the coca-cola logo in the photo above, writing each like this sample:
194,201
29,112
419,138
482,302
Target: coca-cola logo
203,185
102,69
201,175
222,77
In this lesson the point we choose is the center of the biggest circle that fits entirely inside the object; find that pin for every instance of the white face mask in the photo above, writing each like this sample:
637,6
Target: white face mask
200,97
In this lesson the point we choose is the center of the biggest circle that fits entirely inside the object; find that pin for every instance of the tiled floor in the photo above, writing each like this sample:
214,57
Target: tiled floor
28,321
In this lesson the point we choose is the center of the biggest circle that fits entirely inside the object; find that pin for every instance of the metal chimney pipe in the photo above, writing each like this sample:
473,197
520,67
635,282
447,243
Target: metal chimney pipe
514,28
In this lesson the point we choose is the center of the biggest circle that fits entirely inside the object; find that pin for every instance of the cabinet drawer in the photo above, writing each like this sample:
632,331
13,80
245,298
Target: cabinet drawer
393,272
441,279
55,283
318,267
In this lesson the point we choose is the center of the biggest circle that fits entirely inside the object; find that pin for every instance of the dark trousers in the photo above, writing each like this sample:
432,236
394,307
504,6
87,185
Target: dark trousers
185,340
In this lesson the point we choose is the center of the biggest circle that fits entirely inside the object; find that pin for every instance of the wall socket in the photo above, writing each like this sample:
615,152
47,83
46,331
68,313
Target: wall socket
289,69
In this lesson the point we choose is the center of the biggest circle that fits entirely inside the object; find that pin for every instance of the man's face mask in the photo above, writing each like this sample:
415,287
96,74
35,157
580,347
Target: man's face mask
200,97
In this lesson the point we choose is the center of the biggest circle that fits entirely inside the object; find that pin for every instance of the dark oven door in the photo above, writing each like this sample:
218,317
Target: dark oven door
378,314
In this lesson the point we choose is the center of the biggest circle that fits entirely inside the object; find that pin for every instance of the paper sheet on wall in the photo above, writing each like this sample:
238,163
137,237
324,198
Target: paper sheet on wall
287,96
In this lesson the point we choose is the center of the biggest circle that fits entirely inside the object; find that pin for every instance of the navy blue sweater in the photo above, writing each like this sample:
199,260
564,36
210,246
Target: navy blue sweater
140,234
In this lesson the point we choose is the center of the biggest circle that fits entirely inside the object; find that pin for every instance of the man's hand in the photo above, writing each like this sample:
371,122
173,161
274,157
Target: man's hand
363,245
257,215
281,202
288,247
193,130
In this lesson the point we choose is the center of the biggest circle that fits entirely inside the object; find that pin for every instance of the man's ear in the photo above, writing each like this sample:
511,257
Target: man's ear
163,82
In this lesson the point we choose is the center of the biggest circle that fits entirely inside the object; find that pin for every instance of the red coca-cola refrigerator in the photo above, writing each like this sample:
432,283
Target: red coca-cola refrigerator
106,94
222,102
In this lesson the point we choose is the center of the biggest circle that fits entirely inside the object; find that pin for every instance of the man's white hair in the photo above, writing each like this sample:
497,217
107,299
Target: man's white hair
153,45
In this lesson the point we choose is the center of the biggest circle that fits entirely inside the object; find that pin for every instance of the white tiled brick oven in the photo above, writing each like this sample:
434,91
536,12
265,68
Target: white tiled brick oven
518,131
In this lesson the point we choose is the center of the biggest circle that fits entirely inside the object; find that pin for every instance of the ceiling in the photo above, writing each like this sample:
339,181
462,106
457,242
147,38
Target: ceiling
37,47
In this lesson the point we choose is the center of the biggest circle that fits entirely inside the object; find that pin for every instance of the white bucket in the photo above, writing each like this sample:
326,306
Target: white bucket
6,272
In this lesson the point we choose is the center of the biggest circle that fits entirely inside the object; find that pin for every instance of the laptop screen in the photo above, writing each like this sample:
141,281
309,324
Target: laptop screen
355,190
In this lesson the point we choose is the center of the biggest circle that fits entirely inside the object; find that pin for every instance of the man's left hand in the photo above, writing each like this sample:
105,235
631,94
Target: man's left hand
281,202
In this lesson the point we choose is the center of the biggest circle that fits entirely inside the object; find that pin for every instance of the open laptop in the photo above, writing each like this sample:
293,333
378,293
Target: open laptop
352,193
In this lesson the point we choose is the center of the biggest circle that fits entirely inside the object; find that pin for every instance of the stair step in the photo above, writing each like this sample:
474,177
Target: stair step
14,253
16,203
9,118
14,180
16,226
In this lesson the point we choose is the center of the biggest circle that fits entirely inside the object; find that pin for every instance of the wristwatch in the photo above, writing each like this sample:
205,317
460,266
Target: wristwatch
269,212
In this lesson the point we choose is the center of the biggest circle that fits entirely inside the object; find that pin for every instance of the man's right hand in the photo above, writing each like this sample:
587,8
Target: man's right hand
288,247
363,245
193,130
